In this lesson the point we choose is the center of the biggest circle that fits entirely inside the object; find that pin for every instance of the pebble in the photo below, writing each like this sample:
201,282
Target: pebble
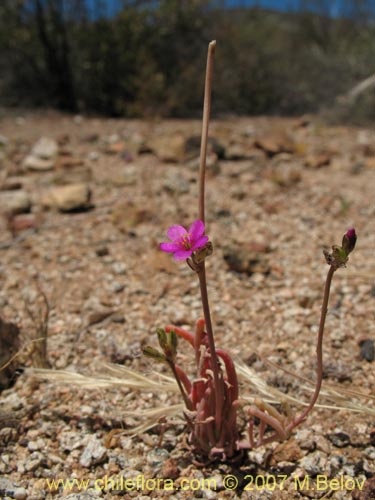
34,461
67,198
369,452
367,350
314,463
157,457
176,183
170,149
42,156
7,487
93,454
117,287
22,222
119,268
15,202
93,156
71,440
45,148
323,445
87,495
20,494
34,163
3,140
288,451
339,439
35,445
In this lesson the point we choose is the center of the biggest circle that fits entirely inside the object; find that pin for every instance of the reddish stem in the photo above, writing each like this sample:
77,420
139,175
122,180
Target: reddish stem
319,352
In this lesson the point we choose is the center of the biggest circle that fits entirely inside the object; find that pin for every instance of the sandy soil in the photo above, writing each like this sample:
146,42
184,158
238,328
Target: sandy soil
278,190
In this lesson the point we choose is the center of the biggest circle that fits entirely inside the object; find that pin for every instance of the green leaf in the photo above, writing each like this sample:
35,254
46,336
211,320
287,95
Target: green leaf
151,352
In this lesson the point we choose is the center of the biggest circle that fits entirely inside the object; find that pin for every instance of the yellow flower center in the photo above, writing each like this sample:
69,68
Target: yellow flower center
185,241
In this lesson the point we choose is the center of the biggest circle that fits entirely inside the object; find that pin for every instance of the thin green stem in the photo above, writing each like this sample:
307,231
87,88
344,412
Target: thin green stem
180,386
319,352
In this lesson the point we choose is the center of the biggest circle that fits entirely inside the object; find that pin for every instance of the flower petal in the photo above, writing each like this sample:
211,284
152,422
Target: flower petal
182,254
196,230
169,247
200,242
176,232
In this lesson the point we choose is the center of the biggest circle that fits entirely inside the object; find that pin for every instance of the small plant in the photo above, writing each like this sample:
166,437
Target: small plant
211,398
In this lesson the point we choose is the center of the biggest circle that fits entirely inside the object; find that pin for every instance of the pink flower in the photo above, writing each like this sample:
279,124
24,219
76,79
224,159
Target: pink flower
183,243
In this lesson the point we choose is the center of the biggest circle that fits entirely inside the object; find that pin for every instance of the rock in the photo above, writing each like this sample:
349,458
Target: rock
339,439
69,198
77,175
83,496
156,458
159,261
176,149
119,268
244,259
238,151
367,350
98,316
93,454
170,149
43,155
318,161
126,216
193,145
22,222
93,156
369,452
176,183
90,138
20,494
34,461
284,176
14,202
288,451
45,148
7,434
38,164
314,463
125,177
170,469
115,148
368,492
12,184
70,440
274,143
69,161
102,251
323,445
6,488
370,162
9,345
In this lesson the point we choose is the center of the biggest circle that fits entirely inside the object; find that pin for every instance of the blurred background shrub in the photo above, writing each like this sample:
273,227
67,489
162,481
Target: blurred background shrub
147,58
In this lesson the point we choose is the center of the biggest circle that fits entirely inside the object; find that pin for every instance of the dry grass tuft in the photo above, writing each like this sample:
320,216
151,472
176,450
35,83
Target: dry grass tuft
111,376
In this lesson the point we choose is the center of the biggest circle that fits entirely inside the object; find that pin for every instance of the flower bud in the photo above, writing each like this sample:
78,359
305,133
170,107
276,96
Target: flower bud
339,255
349,240
168,343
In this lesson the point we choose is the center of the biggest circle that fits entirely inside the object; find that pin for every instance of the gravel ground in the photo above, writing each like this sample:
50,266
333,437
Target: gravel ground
278,192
